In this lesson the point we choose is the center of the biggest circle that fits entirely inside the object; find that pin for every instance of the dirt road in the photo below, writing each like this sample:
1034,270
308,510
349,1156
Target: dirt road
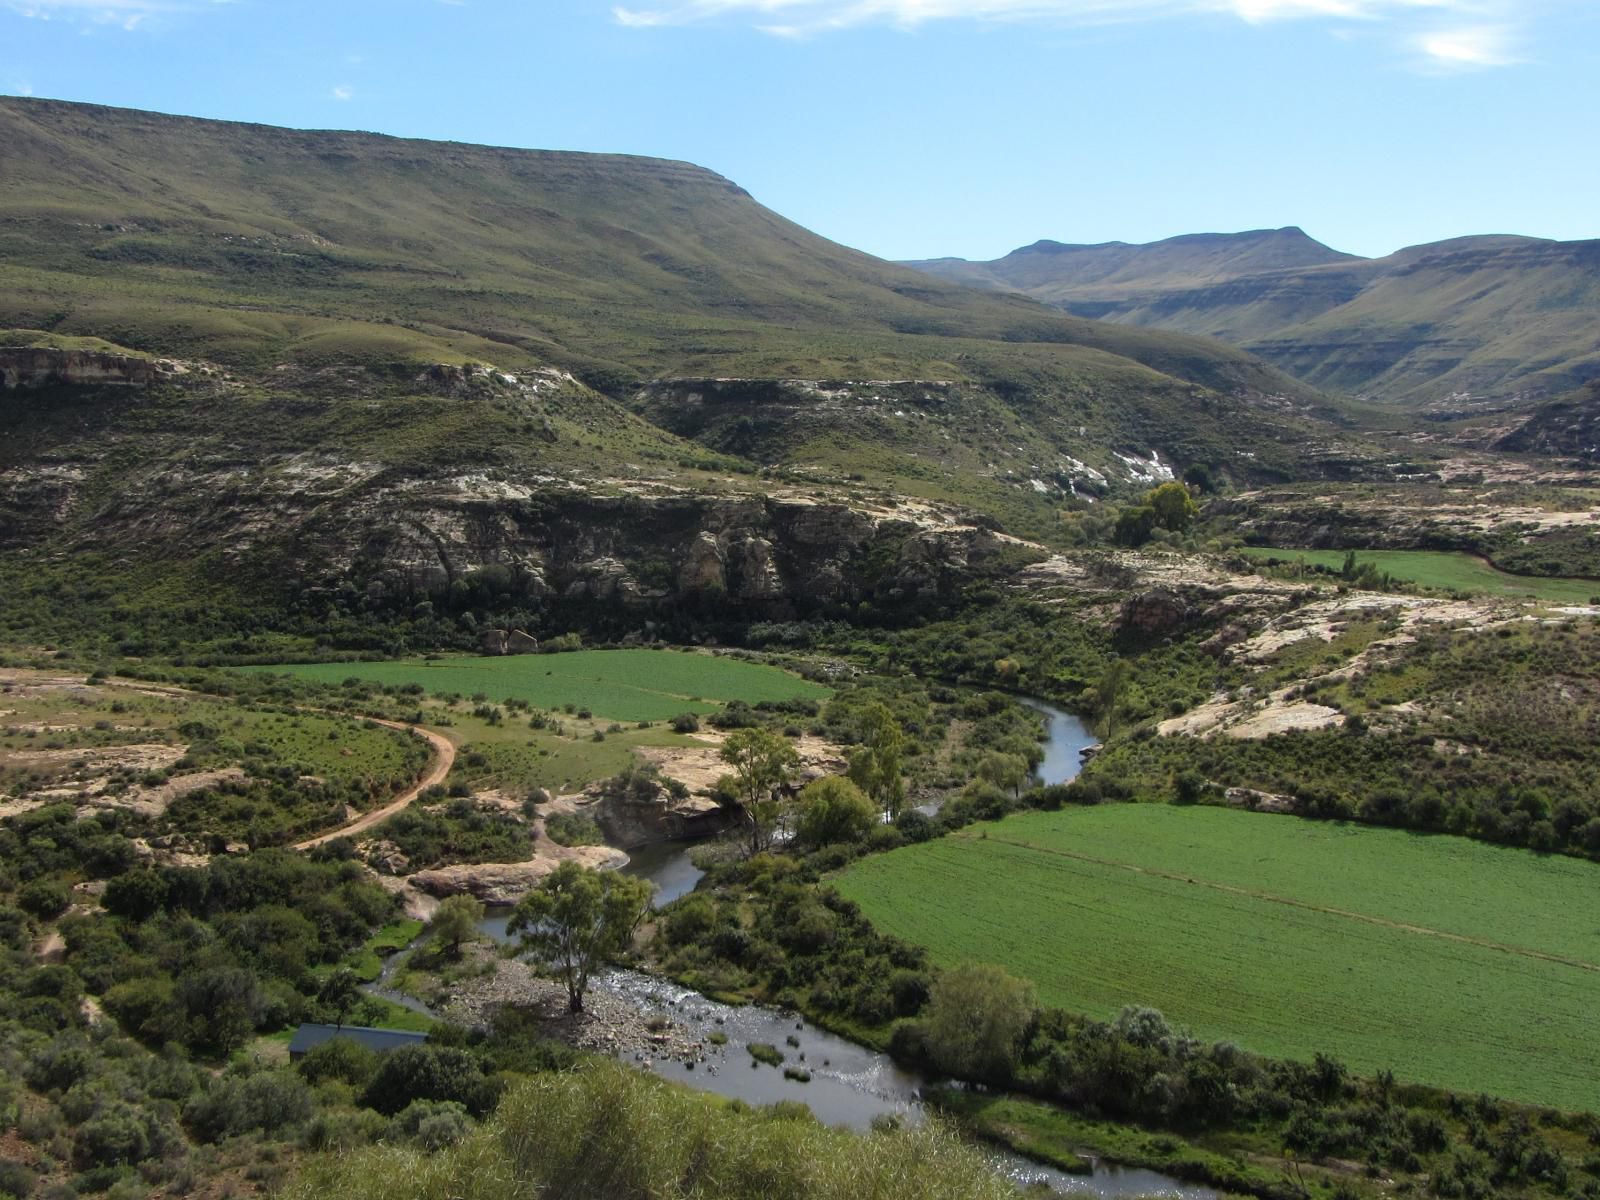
444,759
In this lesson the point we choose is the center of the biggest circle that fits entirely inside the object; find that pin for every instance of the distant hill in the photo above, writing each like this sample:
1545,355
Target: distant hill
1492,319
422,370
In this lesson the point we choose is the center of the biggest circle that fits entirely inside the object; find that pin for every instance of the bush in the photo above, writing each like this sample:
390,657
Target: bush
45,898
428,1073
234,1104
976,1016
686,723
835,810
433,1124
339,1058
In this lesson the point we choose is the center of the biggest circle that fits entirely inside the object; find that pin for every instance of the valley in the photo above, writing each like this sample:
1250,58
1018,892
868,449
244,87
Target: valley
1113,719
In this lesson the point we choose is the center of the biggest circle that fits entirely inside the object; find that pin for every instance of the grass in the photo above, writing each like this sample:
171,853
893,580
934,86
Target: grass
1445,571
98,718
623,685
366,960
1450,962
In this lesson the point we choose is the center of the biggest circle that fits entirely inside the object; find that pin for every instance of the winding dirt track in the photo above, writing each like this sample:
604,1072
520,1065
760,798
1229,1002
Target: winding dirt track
444,759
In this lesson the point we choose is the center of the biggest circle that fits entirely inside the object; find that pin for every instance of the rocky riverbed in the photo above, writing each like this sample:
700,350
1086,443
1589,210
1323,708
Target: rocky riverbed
610,1023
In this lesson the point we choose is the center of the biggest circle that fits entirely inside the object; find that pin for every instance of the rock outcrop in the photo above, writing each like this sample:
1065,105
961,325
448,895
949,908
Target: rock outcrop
1155,613
508,641
506,883
34,367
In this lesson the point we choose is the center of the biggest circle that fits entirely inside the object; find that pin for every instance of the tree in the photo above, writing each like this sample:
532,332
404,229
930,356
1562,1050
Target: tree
455,923
341,992
835,810
1108,693
762,763
875,767
1173,507
1004,770
1135,525
975,1017
576,918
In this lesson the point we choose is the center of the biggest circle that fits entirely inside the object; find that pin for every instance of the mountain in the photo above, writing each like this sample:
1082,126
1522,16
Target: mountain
1054,270
1479,320
276,357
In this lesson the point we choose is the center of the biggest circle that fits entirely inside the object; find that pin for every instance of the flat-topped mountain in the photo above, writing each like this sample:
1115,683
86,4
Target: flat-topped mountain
1492,319
282,357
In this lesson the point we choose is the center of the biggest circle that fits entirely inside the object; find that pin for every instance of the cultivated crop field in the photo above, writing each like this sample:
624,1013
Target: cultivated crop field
1450,962
623,685
1446,571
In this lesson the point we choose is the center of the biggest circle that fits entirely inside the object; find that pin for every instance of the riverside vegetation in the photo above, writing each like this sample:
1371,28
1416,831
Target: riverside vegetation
281,461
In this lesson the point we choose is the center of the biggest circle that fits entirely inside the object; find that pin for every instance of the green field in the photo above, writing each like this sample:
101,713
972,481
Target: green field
623,685
1450,962
1446,571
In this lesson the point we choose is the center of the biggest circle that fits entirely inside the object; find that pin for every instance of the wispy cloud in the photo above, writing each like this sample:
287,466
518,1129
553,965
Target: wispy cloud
21,87
343,92
1415,22
122,14
1469,48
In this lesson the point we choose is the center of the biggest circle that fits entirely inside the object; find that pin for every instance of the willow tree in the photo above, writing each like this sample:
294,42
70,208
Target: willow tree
876,767
763,763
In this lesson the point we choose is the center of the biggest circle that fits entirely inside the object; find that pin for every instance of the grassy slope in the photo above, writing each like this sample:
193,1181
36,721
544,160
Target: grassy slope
249,246
1177,915
1446,571
1490,316
623,685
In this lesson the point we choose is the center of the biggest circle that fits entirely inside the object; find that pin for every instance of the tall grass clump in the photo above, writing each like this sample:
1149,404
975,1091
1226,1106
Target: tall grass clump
605,1129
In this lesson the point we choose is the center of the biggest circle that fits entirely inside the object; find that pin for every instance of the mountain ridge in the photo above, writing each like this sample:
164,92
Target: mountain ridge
1489,318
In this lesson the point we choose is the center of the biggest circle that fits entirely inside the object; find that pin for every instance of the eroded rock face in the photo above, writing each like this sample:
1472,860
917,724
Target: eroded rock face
756,568
31,368
704,568
634,823
1154,613
506,883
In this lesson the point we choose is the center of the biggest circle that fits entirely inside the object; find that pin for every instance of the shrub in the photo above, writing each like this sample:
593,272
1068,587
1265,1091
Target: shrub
340,1058
433,1124
427,1073
45,898
234,1104
835,810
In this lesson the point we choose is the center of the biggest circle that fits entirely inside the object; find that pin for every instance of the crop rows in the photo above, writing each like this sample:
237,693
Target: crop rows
1269,932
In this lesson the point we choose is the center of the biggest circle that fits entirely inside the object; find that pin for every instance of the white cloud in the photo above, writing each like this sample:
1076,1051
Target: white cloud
21,88
343,92
123,14
1469,48
1474,45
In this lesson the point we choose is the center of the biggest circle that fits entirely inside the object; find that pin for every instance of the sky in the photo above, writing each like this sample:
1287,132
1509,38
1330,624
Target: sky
923,128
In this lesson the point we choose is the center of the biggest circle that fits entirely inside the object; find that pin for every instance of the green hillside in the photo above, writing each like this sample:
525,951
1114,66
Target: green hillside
1471,319
246,244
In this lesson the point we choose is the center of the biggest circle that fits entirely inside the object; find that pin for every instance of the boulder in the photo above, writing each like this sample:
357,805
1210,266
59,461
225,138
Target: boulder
704,567
756,567
1153,613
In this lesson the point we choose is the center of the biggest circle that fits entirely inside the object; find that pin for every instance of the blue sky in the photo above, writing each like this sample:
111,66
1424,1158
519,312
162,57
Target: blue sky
913,128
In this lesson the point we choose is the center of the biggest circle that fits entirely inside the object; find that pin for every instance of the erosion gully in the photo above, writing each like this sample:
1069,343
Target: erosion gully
849,1084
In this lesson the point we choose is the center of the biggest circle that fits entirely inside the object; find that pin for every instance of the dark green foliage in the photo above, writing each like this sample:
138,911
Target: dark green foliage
429,1073
460,831
267,1101
45,898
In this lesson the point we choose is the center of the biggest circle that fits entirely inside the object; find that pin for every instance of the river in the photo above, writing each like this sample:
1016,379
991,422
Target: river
849,1084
